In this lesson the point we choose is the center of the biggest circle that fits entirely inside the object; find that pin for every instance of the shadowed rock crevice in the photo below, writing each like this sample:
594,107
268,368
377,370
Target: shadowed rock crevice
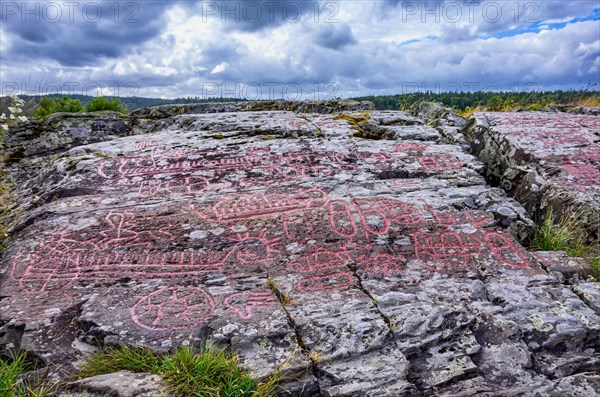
283,301
360,286
547,161
303,385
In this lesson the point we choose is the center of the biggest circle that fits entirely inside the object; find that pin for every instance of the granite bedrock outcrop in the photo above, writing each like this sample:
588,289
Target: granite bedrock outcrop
401,267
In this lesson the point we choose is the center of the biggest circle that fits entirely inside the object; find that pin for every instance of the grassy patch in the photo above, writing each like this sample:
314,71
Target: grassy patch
593,100
468,112
115,359
209,373
355,121
360,124
361,118
10,369
566,234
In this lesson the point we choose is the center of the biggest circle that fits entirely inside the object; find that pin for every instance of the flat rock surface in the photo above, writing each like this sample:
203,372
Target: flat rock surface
119,384
362,267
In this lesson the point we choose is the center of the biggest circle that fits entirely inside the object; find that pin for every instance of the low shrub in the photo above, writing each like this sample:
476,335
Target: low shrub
65,104
100,103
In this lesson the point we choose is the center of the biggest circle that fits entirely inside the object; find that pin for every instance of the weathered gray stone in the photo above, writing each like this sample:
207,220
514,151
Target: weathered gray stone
594,110
119,384
437,114
586,384
567,269
394,118
334,106
379,373
375,267
590,294
62,131
547,161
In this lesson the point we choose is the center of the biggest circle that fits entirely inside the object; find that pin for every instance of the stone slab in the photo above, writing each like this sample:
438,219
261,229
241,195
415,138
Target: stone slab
355,266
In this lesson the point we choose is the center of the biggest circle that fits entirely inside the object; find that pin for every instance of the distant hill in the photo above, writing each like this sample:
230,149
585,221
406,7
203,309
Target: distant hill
131,103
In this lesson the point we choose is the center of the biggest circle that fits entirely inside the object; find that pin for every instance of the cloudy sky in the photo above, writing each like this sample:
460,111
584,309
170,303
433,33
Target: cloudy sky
296,48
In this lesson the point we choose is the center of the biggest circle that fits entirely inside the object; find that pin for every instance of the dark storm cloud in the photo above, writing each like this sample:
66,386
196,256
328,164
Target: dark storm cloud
366,47
78,33
81,33
334,37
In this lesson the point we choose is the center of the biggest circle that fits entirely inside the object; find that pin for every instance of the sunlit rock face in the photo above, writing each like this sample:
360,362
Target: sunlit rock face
360,251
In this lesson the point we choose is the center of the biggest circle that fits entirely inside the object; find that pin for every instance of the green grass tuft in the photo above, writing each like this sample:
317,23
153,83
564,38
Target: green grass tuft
115,359
10,369
209,373
553,235
566,234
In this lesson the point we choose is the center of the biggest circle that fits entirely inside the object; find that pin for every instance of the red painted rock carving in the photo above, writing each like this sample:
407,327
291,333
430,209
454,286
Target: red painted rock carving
477,219
173,308
123,232
500,245
246,206
190,184
321,259
381,265
411,148
150,188
505,250
122,252
439,163
145,144
445,249
175,162
327,283
586,175
545,257
340,218
408,185
298,226
284,167
254,249
378,214
245,303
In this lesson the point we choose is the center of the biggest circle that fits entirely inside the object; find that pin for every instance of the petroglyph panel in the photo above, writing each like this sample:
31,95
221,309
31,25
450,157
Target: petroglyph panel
302,248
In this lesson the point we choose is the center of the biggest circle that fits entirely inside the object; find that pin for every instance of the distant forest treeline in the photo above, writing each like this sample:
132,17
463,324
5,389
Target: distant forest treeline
489,100
459,100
